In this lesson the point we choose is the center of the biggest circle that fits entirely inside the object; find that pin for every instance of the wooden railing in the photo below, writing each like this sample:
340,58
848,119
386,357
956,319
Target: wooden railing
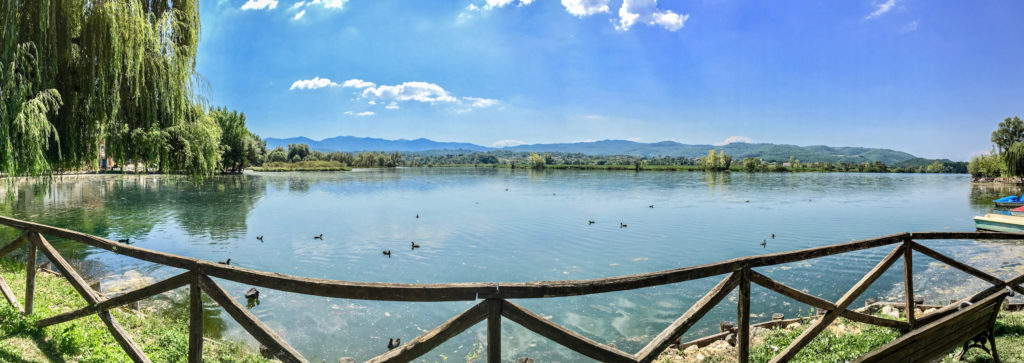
495,297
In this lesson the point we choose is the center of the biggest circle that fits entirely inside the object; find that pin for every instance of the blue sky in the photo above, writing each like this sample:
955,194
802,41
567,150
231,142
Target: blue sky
930,77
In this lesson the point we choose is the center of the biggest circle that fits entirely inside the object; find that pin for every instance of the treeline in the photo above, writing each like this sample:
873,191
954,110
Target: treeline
716,160
1007,156
301,153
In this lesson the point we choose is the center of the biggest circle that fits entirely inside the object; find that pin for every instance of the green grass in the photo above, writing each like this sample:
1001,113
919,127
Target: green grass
826,347
303,166
163,336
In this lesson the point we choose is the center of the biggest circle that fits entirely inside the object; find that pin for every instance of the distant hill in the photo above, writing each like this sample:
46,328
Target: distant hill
352,143
770,152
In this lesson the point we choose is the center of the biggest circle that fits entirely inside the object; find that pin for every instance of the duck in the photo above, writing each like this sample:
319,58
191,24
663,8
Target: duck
414,245
321,236
764,243
417,216
252,294
260,237
394,343
124,240
387,253
773,235
622,225
650,206
228,262
591,222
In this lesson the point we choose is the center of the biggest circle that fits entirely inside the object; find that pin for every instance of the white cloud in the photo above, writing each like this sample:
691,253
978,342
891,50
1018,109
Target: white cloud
633,139
492,4
409,91
314,83
594,117
881,8
909,27
472,10
507,143
357,83
733,139
259,4
647,12
392,106
361,114
583,8
480,102
299,15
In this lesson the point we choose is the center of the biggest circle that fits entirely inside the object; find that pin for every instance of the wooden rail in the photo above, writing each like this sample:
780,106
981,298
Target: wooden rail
495,297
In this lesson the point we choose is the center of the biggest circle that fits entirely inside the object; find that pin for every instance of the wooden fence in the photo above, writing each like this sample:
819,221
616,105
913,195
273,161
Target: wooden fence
495,304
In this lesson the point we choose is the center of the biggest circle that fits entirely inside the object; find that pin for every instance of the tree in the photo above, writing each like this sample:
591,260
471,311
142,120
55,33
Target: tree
277,155
77,72
239,147
1010,131
297,152
536,161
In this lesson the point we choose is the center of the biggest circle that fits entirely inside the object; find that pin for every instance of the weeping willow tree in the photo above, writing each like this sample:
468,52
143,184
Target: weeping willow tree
78,73
1013,158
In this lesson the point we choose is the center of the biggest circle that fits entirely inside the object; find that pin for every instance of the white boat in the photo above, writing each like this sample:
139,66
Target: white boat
1000,223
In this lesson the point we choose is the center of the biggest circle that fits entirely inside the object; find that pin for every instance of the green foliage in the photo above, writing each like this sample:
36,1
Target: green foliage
308,165
277,155
239,147
26,130
78,73
1010,131
297,152
537,161
985,166
716,161
751,164
826,347
1013,159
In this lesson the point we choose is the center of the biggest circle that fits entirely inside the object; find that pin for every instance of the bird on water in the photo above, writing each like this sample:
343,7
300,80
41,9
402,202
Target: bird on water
252,294
387,253
260,237
228,262
321,236
394,343
414,245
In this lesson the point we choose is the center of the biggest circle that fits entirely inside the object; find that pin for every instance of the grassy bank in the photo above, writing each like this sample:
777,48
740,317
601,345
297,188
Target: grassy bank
844,341
162,335
303,166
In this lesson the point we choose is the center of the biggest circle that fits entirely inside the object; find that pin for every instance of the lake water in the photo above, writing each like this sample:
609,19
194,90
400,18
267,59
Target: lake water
499,225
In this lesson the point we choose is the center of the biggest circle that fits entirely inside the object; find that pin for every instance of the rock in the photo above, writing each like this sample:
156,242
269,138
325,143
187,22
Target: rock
778,316
929,311
918,300
870,300
890,311
793,326
726,326
347,360
691,349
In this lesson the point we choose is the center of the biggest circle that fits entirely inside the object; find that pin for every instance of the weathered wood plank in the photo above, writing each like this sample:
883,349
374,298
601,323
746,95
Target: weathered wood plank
908,280
937,338
743,318
965,235
30,277
431,339
678,327
9,295
254,326
195,320
123,299
77,282
15,244
801,341
563,336
494,331
823,304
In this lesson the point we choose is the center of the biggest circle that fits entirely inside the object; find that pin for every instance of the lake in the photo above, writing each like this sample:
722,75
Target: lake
483,225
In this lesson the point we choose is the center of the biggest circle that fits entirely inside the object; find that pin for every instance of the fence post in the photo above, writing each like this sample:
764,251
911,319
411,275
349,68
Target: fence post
743,318
908,281
30,276
494,331
195,321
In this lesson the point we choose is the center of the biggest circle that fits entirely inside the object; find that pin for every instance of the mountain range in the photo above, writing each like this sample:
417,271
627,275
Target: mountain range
771,152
